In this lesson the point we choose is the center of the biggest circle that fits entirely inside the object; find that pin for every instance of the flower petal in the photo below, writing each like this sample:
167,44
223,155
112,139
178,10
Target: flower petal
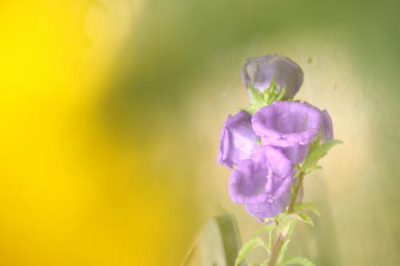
263,182
238,140
327,127
286,124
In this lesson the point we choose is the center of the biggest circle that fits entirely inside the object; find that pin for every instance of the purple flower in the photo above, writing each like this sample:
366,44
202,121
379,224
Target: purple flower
263,183
292,126
238,140
260,71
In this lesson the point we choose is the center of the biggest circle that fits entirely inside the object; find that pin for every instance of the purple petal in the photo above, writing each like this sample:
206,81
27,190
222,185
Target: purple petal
263,182
297,153
327,127
238,140
287,124
275,205
276,160
264,210
247,183
260,71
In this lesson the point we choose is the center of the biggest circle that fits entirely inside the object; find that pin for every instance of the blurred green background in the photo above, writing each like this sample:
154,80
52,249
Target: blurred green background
112,112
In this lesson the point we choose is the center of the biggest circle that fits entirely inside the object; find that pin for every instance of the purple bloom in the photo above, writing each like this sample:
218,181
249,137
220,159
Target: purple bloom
238,140
263,183
292,126
260,71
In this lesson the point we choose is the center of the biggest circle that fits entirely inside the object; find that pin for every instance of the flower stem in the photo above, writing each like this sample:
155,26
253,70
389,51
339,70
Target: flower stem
281,238
296,192
275,250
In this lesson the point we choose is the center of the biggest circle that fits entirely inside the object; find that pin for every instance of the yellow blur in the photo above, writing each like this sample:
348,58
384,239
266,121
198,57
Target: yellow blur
66,192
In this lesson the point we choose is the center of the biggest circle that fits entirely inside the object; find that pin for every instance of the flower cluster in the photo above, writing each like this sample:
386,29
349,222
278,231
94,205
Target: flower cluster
264,144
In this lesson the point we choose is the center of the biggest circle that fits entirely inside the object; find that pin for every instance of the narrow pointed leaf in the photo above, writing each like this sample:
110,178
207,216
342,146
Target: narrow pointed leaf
305,218
265,229
316,153
282,94
306,206
297,261
253,243
256,97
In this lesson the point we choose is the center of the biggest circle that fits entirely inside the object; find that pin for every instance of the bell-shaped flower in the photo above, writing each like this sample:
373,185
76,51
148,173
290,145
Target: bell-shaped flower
238,140
292,126
263,182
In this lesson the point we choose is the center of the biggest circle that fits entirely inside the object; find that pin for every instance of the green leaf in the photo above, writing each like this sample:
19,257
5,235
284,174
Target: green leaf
272,85
249,246
305,218
287,221
297,261
282,94
317,152
315,143
258,100
299,207
256,97
267,97
272,93
282,251
289,218
261,99
265,229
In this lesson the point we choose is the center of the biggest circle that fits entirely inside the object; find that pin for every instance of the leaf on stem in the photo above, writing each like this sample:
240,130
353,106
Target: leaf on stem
265,229
301,207
249,246
297,261
305,218
317,151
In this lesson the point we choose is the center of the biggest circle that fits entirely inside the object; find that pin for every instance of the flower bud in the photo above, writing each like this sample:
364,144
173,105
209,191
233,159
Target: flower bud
259,72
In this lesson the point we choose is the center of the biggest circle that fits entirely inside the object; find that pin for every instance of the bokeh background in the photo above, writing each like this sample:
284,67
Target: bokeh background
111,112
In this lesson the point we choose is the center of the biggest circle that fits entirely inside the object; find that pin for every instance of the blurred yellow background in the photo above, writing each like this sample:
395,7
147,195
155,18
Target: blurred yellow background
111,112
66,192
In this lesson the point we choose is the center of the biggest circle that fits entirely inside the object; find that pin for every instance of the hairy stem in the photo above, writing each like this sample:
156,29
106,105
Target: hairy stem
281,238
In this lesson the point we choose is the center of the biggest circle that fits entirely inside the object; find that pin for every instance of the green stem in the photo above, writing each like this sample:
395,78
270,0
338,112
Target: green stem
275,250
296,192
281,238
